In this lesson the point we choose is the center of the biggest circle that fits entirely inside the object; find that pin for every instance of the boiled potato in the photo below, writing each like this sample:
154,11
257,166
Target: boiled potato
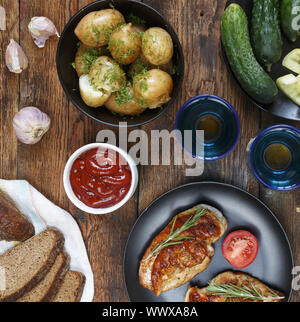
141,64
125,44
153,88
157,46
106,74
91,96
95,28
123,102
85,57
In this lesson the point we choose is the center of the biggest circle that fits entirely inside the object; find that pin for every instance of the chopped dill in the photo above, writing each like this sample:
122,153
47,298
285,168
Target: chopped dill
142,74
138,67
124,95
129,53
116,45
96,31
88,58
135,20
143,102
174,70
113,76
108,30
95,87
143,85
86,36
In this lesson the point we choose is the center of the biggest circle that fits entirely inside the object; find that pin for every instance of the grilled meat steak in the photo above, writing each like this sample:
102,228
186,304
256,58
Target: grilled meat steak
195,294
178,264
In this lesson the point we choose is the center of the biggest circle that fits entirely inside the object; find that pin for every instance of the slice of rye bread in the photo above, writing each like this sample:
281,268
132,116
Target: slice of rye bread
14,226
47,287
28,263
71,288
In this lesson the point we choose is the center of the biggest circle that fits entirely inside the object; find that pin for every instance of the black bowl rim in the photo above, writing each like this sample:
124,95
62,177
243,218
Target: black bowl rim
175,90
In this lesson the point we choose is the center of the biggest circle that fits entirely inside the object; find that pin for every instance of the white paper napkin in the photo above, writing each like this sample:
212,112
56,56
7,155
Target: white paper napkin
43,213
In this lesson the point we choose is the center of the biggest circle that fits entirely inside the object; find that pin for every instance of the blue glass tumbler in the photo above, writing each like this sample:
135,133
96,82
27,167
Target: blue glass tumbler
275,157
219,121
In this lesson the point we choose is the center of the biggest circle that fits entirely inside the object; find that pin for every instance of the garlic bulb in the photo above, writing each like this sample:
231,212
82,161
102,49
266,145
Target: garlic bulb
41,29
16,60
30,124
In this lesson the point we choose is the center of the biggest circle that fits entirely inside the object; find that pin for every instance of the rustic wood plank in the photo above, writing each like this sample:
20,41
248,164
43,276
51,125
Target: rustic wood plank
284,203
9,94
197,25
105,235
42,164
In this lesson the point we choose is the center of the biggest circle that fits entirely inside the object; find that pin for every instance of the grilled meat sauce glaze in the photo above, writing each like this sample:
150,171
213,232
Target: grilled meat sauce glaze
187,254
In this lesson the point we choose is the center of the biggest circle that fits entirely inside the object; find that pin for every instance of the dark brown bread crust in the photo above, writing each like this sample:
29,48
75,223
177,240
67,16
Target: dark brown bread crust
78,290
14,226
81,287
60,276
42,272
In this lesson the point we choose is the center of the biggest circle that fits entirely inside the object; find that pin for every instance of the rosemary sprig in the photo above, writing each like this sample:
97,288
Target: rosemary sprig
174,237
248,293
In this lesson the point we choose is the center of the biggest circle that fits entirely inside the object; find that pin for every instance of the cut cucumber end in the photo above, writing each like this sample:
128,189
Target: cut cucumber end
292,61
290,86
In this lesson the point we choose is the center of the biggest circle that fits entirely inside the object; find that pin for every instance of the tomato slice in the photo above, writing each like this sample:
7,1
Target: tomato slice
240,248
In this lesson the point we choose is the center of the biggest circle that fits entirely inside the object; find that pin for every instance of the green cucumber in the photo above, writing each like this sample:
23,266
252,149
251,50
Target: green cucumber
236,41
265,32
290,17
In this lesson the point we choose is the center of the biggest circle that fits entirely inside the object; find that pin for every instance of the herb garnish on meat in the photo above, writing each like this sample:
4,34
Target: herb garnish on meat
174,237
245,292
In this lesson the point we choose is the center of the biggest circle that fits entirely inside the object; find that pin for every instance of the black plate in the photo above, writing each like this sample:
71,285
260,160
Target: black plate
67,48
274,261
282,106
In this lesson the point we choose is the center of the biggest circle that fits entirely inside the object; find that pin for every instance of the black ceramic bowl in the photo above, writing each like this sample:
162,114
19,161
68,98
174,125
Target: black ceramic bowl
67,48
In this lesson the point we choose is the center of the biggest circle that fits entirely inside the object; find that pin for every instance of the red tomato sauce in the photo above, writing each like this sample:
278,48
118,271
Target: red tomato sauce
100,178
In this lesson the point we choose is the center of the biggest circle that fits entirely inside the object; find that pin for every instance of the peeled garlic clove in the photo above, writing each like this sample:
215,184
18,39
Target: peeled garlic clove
16,60
30,124
41,29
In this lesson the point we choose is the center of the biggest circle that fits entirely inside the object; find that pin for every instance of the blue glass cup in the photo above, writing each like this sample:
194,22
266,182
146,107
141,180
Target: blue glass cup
219,121
275,157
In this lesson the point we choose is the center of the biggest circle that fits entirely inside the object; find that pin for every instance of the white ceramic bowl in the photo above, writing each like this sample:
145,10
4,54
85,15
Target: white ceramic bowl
81,205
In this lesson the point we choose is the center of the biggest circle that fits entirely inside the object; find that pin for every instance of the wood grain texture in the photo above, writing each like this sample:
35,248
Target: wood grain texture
205,74
9,94
39,86
284,203
197,25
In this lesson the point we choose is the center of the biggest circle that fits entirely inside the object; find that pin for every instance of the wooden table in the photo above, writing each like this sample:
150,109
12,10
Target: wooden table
197,23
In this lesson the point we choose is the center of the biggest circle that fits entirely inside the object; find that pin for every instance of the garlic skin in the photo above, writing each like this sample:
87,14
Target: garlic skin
16,60
41,29
30,124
